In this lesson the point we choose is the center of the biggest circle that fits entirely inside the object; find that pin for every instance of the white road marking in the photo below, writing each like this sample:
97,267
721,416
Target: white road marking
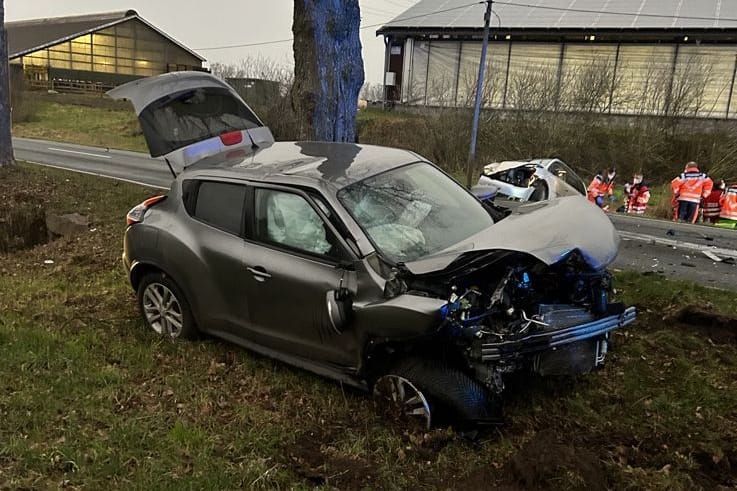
131,181
678,244
80,153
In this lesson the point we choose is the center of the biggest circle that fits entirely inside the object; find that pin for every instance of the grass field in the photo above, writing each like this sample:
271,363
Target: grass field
85,120
98,121
89,399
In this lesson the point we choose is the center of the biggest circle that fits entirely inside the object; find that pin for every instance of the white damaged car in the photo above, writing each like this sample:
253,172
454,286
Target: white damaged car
530,180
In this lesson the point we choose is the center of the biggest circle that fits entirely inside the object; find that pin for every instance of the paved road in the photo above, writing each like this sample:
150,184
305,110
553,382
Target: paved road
648,245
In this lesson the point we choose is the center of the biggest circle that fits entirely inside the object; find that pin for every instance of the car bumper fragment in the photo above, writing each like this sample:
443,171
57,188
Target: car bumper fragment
551,339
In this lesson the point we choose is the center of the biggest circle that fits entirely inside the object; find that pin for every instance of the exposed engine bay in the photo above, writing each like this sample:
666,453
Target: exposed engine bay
518,176
524,177
507,312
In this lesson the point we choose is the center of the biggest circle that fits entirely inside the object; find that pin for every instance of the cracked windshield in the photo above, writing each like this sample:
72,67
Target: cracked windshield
414,211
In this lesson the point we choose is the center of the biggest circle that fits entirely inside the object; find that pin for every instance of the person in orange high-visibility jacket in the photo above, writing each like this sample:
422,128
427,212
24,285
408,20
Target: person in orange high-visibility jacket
728,215
639,196
688,190
601,186
712,203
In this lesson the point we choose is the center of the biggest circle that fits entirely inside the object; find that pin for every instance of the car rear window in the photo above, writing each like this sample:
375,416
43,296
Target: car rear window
191,116
221,205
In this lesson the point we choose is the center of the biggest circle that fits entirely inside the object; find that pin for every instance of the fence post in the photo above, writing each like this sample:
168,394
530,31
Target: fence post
614,78
560,75
427,67
506,75
669,94
731,88
458,70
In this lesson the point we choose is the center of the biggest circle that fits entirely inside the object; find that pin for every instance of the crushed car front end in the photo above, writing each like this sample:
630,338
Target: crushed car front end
518,314
532,293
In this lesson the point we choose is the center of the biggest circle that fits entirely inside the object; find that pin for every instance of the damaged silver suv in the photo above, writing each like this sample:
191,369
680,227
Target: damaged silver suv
364,264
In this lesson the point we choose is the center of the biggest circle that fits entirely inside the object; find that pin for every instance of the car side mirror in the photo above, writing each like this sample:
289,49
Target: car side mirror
340,308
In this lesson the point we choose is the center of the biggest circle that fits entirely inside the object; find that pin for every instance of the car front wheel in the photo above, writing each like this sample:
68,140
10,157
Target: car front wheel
164,308
429,391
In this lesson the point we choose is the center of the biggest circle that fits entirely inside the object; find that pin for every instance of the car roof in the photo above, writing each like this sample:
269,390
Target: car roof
331,164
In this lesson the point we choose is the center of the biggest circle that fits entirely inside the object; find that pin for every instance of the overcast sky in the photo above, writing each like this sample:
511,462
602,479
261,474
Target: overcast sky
205,24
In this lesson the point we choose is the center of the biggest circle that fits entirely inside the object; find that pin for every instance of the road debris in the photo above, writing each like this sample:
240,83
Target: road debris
712,256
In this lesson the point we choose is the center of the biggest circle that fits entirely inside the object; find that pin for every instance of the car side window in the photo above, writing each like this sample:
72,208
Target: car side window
221,205
287,219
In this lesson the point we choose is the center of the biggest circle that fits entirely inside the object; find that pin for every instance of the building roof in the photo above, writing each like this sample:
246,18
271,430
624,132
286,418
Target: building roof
26,36
568,14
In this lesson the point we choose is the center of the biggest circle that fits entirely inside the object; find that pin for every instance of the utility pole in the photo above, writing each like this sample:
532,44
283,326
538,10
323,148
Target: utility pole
479,94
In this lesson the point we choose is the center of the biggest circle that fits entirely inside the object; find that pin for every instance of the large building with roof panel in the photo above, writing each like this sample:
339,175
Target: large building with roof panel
95,51
655,57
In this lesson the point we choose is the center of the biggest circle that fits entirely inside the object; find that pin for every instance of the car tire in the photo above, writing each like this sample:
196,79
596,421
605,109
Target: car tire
164,308
452,396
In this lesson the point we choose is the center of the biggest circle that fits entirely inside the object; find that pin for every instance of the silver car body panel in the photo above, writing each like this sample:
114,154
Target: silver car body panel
145,91
547,230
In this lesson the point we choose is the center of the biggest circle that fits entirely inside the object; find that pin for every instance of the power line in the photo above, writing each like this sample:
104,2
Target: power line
278,41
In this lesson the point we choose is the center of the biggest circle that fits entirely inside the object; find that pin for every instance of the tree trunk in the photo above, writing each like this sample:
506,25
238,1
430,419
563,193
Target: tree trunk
6,144
328,68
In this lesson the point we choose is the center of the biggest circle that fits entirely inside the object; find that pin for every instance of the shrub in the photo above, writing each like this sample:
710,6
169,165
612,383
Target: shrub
23,105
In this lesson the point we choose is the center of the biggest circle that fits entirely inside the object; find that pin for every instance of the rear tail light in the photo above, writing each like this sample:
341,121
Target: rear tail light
232,138
136,214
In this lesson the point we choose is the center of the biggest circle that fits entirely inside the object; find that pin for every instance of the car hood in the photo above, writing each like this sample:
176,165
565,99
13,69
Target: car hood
547,230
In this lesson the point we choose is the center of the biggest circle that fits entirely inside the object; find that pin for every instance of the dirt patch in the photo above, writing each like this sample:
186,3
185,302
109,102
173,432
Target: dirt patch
22,222
547,462
314,458
719,328
717,469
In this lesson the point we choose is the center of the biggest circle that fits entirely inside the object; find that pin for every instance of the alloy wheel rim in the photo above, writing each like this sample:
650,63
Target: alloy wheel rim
402,395
162,310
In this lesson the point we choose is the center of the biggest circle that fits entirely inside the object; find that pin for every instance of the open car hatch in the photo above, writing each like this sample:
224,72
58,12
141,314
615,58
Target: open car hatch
188,116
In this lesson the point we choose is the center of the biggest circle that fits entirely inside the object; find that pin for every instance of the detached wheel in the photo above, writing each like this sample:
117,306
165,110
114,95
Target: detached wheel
164,308
430,391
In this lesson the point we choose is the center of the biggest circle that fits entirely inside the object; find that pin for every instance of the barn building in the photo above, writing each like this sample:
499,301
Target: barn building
655,57
94,51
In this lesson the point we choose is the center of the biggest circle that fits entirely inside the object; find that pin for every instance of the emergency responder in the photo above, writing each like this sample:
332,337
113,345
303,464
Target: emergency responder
638,195
688,190
728,214
601,187
712,203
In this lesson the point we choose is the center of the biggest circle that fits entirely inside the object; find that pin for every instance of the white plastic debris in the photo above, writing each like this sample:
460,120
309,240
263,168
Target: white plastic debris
48,261
712,256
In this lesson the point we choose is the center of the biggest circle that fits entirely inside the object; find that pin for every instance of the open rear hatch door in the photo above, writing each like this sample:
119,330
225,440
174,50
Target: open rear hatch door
188,116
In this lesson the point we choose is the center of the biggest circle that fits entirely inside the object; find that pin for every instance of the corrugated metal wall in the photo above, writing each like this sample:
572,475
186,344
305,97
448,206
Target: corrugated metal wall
655,79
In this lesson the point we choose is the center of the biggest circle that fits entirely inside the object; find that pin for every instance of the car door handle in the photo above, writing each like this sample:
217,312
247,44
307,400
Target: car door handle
259,273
